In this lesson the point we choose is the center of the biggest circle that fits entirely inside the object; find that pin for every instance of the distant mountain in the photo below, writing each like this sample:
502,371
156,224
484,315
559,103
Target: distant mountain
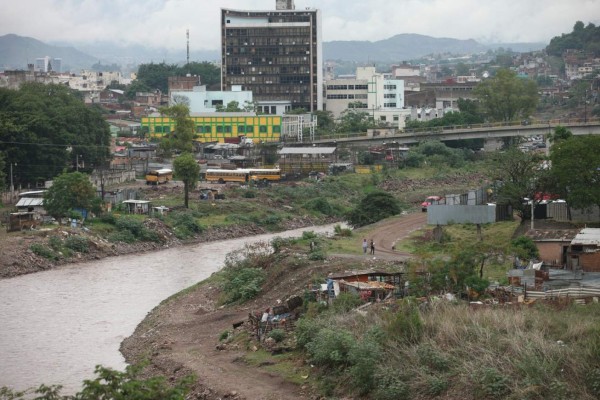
18,51
409,46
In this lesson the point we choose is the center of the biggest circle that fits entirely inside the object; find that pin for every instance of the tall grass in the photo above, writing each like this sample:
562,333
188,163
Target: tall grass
453,351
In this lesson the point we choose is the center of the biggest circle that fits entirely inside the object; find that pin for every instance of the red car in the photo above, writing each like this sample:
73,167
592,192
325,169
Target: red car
431,200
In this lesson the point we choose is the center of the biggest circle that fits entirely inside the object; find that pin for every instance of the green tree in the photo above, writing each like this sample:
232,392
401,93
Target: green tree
232,106
69,191
355,120
209,73
136,86
112,384
518,176
374,207
46,128
576,170
560,133
506,97
188,170
181,138
3,176
156,76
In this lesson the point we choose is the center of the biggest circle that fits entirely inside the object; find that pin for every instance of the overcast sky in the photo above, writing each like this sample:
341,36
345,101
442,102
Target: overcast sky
163,23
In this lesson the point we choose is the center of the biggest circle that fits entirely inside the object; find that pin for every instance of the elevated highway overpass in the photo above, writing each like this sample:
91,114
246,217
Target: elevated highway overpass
493,134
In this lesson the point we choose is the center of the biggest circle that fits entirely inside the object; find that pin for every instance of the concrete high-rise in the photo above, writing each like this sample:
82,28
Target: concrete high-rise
275,54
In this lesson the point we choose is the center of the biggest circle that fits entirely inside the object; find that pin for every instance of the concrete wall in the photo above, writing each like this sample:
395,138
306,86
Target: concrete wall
551,252
461,214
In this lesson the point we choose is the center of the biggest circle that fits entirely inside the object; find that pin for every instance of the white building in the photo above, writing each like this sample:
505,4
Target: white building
375,93
48,64
200,100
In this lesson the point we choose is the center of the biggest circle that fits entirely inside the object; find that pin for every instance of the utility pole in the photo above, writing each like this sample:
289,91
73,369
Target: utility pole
12,186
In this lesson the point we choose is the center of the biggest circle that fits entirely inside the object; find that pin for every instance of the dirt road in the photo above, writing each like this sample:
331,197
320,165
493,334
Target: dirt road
181,336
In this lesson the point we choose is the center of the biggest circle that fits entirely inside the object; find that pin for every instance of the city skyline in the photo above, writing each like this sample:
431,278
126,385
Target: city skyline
163,23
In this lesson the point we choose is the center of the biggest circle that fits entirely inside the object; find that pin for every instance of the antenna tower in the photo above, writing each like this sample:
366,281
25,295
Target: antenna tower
187,34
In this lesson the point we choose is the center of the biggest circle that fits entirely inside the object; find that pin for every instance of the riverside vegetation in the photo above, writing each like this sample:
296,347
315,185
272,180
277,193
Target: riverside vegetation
397,350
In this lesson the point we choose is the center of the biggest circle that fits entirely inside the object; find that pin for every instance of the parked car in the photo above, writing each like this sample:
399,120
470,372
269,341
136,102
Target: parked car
431,200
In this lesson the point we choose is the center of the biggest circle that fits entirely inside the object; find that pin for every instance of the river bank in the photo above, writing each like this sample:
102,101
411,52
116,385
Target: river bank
17,258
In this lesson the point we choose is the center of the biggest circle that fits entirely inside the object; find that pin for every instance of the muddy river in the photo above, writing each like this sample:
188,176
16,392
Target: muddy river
56,326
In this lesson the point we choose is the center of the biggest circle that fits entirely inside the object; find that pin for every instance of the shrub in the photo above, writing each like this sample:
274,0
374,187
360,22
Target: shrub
108,218
224,336
124,236
277,334
307,329
249,194
330,347
317,254
43,251
321,205
390,386
373,207
491,384
344,232
525,247
55,243
307,235
129,224
244,284
404,325
77,243
345,302
433,359
363,356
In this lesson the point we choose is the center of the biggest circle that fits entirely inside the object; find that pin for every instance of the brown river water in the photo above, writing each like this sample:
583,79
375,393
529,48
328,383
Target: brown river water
57,325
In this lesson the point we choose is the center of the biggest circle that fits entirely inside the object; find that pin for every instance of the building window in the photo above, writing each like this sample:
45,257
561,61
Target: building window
200,129
276,129
219,128
389,87
389,96
249,129
360,87
227,128
383,118
241,129
395,118
262,129
389,105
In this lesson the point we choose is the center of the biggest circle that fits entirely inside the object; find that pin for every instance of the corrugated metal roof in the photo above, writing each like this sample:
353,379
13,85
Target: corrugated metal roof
30,202
588,237
307,150
371,285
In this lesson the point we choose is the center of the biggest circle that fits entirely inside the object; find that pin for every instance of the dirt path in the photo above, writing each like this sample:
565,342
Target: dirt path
181,336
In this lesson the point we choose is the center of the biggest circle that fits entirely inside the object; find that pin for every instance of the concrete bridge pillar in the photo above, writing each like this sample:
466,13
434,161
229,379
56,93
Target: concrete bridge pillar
492,144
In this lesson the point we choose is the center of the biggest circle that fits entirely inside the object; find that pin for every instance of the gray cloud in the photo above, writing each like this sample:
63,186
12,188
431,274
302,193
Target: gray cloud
162,23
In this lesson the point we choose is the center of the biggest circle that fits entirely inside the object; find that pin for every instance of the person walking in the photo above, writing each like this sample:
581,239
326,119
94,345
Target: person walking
372,247
364,246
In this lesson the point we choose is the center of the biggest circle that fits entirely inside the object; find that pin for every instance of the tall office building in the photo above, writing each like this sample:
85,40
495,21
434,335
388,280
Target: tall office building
275,54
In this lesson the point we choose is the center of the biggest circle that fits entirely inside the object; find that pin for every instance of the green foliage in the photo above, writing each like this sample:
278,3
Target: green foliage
181,138
518,176
560,133
308,235
374,207
224,336
131,230
112,384
188,170
185,224
249,194
321,205
490,383
343,232
525,248
50,124
576,170
330,347
43,251
390,386
345,302
277,334
77,243
581,38
506,97
404,325
68,191
243,285
363,355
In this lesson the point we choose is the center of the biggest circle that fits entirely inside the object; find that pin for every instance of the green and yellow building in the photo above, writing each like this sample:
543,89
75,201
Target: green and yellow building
217,127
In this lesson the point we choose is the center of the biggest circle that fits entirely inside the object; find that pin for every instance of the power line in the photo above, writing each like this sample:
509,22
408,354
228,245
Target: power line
58,145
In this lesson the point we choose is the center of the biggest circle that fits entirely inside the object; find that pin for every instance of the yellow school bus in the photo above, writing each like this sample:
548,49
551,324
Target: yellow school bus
227,175
157,176
264,174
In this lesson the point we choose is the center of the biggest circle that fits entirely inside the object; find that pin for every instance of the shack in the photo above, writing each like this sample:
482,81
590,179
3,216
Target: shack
302,160
584,252
21,220
137,206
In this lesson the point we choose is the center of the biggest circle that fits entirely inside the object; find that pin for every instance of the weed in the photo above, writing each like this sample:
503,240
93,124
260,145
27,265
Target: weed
277,334
490,383
77,243
43,251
